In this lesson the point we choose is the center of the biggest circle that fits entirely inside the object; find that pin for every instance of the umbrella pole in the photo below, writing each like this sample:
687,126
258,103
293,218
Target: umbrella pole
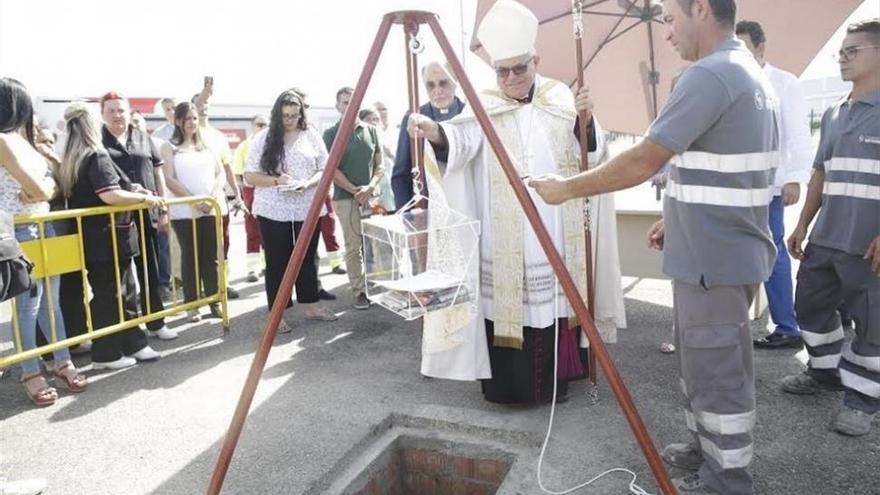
577,12
615,382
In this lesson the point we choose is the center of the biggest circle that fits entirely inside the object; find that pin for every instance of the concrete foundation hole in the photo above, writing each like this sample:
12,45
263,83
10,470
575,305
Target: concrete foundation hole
418,467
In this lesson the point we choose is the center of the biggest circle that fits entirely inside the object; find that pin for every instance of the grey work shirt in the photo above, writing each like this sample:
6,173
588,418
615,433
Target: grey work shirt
849,154
721,121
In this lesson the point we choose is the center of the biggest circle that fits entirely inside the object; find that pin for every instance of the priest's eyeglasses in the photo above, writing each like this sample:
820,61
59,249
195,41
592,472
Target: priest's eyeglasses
442,84
517,70
850,52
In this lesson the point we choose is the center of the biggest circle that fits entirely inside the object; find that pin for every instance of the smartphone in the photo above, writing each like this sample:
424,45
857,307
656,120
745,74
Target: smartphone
209,81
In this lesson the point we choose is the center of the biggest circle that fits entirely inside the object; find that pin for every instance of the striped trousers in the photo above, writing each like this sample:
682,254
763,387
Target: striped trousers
718,379
828,277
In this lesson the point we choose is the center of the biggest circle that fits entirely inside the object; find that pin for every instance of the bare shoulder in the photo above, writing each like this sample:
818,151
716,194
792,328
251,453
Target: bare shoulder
13,144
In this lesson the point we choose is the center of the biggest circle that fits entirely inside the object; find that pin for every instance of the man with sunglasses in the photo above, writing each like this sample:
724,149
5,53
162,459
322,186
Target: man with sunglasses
443,105
841,263
521,304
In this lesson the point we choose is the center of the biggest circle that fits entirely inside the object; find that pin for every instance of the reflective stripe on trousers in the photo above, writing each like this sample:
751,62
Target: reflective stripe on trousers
715,355
826,278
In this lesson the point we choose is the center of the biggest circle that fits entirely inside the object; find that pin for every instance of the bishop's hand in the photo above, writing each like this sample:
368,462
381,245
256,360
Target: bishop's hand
552,188
583,103
421,126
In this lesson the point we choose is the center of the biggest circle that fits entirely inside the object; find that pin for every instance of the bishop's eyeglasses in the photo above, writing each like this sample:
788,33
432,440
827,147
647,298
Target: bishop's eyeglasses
517,70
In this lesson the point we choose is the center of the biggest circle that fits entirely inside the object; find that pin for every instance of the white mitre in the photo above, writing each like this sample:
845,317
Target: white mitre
508,30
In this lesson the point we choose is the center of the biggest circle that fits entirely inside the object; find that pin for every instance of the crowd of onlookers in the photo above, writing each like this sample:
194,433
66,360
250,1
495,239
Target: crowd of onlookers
164,251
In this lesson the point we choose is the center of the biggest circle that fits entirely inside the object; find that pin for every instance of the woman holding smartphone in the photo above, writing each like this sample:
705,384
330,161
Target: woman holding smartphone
284,166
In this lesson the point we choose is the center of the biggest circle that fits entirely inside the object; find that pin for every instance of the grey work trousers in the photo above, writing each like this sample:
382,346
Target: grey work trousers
718,379
828,277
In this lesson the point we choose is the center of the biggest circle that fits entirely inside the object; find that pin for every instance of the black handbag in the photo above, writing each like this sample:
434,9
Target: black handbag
15,268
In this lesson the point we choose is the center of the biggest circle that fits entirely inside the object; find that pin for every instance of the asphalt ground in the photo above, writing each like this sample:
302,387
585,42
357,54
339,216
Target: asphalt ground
157,428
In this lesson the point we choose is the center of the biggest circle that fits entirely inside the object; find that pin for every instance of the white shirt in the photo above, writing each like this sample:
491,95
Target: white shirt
795,146
164,131
303,158
197,170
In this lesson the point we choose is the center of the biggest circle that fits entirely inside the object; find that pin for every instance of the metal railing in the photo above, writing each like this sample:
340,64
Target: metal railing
62,254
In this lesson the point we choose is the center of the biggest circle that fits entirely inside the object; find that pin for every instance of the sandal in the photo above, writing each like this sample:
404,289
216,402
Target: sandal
667,348
284,327
38,391
322,315
70,377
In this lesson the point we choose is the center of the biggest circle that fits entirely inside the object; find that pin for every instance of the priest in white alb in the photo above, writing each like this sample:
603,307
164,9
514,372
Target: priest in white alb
521,302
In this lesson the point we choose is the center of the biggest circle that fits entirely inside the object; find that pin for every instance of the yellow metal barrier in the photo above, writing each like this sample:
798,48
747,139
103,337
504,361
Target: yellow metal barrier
66,254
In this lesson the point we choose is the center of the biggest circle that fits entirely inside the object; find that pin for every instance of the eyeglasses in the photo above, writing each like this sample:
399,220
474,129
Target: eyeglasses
289,116
850,52
442,84
518,70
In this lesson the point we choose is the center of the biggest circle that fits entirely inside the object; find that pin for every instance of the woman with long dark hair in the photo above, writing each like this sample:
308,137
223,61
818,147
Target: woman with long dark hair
192,169
284,166
26,186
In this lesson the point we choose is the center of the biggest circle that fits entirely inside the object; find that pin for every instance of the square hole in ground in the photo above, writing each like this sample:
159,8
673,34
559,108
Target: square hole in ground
425,466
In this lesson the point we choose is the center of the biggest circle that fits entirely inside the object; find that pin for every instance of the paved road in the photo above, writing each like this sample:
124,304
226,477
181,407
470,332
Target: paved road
157,428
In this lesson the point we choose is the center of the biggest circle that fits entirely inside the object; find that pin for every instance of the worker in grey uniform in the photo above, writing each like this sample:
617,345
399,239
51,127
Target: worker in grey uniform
720,131
841,263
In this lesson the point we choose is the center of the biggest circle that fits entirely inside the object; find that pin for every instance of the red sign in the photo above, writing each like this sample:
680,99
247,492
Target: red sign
234,136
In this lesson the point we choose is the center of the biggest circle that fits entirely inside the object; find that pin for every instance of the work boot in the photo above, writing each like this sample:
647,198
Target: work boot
852,422
807,383
692,484
683,455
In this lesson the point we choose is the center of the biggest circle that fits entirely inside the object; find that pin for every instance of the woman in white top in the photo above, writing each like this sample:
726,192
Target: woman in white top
284,166
26,185
192,169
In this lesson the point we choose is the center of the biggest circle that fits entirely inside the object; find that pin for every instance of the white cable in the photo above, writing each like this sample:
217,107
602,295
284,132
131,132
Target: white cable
634,489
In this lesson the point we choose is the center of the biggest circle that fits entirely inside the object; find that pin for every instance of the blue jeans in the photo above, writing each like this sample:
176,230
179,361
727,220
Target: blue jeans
163,256
780,294
33,306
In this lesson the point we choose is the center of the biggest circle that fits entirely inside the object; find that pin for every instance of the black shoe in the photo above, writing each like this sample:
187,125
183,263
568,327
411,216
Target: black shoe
232,293
215,311
338,270
323,295
777,341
